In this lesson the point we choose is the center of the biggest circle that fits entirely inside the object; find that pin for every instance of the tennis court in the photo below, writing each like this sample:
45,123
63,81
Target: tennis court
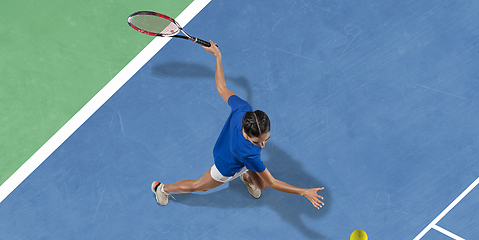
375,101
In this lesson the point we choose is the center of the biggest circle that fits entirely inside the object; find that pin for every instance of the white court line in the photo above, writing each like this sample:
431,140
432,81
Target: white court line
447,233
95,103
445,211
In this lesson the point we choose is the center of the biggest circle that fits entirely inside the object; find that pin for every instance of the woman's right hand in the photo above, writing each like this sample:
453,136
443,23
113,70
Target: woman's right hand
213,49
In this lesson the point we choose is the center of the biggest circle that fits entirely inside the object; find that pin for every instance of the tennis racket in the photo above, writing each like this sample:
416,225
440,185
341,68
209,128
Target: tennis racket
157,24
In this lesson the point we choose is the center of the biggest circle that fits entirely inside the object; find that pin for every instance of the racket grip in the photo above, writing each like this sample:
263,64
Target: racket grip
202,42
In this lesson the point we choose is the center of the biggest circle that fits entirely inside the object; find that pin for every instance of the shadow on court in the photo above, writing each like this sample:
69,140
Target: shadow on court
180,70
290,207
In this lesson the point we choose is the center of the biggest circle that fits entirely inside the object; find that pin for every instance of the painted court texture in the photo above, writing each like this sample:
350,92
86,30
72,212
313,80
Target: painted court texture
377,102
58,56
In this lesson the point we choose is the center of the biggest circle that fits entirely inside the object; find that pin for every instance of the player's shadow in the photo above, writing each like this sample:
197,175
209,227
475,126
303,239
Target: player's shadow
290,207
181,70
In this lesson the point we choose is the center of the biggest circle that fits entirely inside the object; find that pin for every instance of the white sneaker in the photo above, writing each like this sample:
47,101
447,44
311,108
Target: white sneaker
161,197
253,190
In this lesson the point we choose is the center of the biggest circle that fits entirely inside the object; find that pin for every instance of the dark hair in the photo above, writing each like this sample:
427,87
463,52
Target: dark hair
256,123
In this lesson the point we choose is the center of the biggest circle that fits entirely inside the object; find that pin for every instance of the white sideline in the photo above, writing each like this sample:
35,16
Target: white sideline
445,211
95,103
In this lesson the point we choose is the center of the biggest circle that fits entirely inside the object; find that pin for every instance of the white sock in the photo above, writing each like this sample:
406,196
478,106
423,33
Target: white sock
162,190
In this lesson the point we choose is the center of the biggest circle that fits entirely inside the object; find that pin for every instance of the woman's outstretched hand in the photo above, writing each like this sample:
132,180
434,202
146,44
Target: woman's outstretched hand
312,195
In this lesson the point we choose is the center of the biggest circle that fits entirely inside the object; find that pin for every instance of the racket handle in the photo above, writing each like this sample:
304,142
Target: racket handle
202,42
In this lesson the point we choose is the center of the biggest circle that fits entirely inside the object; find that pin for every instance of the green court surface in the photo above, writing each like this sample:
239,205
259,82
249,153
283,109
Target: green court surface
56,55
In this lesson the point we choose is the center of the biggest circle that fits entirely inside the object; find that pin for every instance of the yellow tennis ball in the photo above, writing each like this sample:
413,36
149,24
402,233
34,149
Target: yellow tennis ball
359,235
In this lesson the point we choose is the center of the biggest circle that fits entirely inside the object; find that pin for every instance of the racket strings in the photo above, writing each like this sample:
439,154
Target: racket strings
155,24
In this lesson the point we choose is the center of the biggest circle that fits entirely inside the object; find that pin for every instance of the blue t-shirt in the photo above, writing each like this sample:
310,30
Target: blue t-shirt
232,150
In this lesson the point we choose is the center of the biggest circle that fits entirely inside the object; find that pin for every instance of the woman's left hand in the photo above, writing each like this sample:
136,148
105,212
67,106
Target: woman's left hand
312,195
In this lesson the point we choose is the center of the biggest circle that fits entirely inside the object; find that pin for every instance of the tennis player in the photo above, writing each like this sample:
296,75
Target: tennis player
237,151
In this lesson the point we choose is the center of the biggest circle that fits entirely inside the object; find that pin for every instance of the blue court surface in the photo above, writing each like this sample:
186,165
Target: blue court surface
376,101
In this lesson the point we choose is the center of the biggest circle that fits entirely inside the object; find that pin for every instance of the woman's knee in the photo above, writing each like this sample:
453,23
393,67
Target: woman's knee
198,186
201,187
206,183
262,185
257,181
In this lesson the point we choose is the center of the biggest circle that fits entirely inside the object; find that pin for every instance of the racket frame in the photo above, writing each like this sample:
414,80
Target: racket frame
175,34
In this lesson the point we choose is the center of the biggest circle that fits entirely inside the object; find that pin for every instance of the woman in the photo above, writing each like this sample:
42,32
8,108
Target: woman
237,151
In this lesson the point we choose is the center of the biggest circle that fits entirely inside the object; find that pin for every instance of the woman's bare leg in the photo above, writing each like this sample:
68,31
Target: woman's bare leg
204,183
253,177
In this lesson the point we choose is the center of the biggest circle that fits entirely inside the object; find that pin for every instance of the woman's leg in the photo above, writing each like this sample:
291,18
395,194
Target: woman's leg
204,183
254,178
